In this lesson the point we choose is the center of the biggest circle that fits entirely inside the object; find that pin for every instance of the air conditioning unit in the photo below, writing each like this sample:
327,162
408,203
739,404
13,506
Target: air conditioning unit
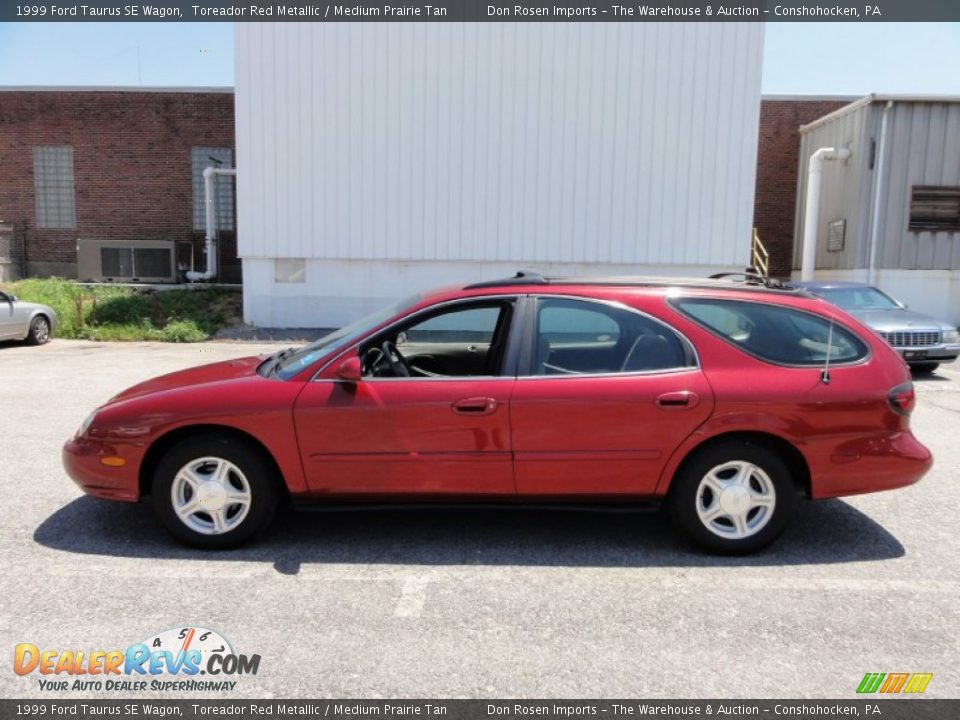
126,261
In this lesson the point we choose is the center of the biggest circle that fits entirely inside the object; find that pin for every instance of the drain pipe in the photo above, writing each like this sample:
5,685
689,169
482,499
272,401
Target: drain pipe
811,214
209,187
877,193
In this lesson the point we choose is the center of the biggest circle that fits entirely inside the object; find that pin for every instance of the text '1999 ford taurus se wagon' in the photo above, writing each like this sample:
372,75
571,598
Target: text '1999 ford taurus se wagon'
727,400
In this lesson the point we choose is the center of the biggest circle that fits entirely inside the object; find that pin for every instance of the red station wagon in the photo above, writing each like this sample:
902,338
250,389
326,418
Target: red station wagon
727,400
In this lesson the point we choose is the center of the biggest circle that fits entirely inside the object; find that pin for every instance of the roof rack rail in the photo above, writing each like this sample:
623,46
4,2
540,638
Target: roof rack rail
751,278
524,277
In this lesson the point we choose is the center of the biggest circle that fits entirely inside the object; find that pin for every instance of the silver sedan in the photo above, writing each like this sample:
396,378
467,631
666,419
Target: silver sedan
923,342
21,320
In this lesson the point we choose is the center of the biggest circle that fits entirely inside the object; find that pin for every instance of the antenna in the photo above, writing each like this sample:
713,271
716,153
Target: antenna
825,373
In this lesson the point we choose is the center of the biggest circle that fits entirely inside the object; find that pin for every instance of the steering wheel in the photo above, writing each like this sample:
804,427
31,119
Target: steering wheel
397,362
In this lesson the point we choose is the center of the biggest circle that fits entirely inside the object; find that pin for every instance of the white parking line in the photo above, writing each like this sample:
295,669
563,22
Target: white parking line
412,597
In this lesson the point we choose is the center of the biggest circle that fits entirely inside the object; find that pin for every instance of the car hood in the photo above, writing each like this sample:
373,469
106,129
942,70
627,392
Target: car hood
899,319
214,372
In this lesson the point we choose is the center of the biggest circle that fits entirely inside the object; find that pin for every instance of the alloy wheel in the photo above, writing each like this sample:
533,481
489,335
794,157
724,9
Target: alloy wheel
735,500
211,495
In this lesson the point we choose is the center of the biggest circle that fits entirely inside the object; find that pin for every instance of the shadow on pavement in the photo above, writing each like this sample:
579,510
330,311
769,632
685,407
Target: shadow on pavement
925,377
822,532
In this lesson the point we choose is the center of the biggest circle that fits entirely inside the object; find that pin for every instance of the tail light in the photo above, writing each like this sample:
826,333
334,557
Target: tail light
903,398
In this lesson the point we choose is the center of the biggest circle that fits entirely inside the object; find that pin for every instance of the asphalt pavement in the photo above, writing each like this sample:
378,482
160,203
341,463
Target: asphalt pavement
491,603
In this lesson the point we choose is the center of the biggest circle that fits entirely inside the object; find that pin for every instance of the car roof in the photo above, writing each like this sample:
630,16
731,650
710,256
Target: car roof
720,281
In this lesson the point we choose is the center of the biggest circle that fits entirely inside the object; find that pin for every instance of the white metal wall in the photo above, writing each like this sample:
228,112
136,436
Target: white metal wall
597,143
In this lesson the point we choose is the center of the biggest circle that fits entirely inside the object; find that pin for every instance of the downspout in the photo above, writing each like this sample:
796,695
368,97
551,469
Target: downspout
877,194
209,187
811,215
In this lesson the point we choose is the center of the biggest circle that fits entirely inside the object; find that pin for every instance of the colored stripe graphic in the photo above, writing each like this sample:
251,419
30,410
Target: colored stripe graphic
918,682
871,682
894,683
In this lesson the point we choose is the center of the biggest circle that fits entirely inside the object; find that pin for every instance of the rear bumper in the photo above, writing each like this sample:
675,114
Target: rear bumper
82,459
868,464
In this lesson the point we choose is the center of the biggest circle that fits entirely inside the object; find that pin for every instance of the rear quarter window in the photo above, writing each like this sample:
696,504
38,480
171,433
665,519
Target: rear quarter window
774,333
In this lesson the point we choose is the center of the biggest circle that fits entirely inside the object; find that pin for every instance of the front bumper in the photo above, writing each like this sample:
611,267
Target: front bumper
943,353
83,461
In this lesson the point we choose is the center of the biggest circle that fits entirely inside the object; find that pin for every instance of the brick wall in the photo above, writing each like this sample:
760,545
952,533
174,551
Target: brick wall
132,166
777,165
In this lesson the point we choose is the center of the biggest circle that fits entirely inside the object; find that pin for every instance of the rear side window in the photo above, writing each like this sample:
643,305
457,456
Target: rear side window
774,333
576,337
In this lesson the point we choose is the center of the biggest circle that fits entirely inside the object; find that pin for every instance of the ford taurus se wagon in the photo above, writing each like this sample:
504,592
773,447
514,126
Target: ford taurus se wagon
729,401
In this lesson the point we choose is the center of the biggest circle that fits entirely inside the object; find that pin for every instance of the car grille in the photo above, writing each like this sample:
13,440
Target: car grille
912,339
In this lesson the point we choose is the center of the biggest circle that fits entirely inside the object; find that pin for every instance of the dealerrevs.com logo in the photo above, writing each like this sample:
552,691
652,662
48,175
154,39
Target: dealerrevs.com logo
181,659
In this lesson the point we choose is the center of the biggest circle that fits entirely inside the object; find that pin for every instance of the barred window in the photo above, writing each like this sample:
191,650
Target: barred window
935,209
201,159
56,204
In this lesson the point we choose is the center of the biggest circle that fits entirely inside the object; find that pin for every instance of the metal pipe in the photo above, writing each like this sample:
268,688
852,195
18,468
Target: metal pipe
209,195
811,215
877,192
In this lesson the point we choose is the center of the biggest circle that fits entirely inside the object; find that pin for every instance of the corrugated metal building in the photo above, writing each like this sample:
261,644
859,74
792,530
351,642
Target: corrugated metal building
378,159
890,214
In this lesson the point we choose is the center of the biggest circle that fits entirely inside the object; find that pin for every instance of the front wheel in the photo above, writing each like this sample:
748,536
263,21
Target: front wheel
733,498
214,492
39,332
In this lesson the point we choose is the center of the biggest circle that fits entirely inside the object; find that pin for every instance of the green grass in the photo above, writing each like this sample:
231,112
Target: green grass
105,312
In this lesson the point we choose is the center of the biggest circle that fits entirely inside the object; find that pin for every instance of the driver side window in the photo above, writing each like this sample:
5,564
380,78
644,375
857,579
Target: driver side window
460,341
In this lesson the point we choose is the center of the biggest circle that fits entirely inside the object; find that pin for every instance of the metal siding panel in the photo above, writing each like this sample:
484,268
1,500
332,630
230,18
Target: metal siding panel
945,151
858,234
919,163
897,199
515,142
951,177
710,207
892,220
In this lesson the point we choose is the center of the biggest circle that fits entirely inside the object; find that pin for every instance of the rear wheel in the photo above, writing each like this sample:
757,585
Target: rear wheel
733,498
39,331
214,492
924,367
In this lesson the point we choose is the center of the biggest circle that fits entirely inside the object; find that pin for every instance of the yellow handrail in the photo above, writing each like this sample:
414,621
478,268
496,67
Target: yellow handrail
760,258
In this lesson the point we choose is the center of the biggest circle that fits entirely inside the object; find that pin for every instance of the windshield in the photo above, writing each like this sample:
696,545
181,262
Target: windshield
858,298
297,360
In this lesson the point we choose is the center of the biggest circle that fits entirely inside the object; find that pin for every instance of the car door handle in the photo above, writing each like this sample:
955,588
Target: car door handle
475,406
679,400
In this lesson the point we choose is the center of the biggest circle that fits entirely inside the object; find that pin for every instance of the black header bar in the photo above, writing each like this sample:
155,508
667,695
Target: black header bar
487,11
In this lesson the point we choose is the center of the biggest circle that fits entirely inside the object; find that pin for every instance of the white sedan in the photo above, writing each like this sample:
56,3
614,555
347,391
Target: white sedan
21,320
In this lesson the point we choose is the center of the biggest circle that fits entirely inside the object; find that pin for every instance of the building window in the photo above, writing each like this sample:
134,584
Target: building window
53,187
935,209
289,270
201,159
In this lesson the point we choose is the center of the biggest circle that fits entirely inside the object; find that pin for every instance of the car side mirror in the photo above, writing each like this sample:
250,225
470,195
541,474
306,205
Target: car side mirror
350,370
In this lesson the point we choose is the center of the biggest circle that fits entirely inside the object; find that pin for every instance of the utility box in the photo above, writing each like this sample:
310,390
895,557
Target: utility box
118,261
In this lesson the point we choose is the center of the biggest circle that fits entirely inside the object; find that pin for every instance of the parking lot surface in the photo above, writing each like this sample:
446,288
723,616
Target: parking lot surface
480,603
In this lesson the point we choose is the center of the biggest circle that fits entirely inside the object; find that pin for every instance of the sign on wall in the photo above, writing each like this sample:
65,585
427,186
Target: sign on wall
836,233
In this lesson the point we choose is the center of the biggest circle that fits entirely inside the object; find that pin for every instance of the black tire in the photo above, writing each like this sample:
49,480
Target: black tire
924,367
258,473
686,496
39,333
